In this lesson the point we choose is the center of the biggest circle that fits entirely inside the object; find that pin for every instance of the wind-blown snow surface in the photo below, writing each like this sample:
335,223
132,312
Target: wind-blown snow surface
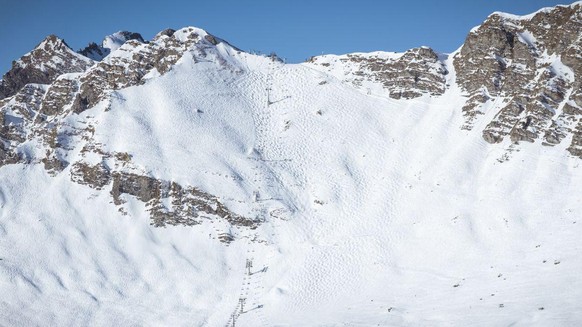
379,212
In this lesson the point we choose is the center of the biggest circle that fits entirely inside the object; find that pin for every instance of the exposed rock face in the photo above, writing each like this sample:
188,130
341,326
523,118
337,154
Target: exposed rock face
51,58
58,96
534,63
97,176
407,75
189,206
6,156
144,188
94,51
168,203
28,100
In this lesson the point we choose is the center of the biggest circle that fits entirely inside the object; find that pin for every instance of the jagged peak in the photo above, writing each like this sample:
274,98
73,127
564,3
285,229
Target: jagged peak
50,46
117,39
168,32
192,33
109,44
42,65
187,30
52,42
198,35
93,51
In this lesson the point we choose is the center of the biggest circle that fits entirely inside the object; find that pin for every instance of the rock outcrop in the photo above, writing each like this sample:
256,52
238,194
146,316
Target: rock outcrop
534,64
405,75
167,202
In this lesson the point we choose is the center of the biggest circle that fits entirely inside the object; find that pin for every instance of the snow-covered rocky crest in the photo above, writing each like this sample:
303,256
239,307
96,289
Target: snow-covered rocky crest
527,71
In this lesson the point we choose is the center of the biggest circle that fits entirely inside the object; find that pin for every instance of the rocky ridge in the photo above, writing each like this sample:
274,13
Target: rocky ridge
405,75
34,116
531,65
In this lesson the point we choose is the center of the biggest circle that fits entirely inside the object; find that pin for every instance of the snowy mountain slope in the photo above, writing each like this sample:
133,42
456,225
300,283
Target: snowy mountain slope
351,207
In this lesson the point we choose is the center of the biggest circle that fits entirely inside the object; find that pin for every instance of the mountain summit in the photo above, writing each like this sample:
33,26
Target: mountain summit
182,181
110,43
51,58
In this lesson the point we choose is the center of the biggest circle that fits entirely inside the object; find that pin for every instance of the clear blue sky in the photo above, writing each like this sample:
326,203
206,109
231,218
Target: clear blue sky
295,30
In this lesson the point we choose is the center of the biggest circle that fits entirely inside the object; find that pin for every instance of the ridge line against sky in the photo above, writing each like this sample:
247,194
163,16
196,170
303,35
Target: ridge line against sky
294,30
